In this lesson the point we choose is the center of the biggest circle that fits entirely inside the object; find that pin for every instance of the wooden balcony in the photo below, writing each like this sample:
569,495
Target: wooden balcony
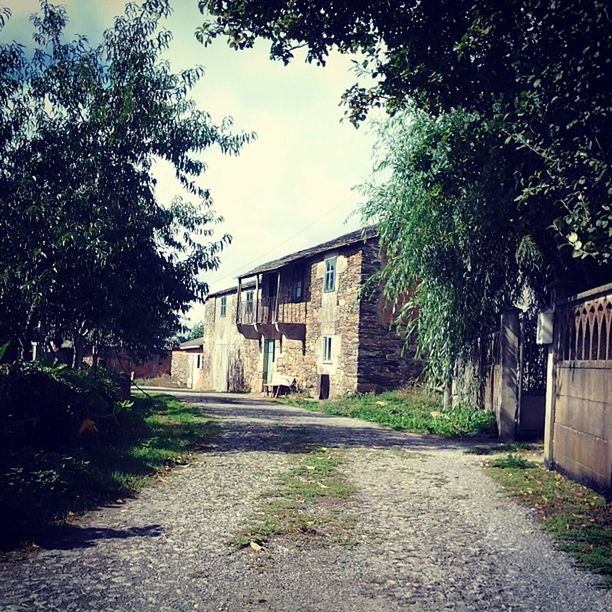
271,317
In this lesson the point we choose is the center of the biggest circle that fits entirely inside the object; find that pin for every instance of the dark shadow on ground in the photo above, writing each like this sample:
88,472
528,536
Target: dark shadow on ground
251,425
66,537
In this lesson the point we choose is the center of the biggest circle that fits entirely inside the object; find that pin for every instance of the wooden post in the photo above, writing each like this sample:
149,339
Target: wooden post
278,278
238,300
257,298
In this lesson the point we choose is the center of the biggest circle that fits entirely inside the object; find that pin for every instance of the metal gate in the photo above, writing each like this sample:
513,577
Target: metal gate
531,381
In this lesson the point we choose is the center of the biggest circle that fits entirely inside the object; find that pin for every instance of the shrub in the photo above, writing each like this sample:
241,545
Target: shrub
43,406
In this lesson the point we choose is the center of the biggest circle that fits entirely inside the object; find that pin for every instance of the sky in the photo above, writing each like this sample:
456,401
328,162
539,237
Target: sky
293,186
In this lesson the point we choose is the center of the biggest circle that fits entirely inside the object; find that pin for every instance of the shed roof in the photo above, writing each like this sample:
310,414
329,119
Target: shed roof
362,235
194,343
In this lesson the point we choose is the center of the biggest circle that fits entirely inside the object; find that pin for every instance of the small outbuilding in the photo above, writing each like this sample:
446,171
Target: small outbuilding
187,360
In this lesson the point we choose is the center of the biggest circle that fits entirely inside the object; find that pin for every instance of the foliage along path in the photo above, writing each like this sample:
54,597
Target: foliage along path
293,510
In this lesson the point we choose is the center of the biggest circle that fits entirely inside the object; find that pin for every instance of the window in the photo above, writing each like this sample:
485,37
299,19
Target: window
249,302
297,286
199,361
327,349
223,306
330,275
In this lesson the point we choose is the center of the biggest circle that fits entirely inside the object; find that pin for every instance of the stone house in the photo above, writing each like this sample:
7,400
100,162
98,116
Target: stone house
187,364
306,320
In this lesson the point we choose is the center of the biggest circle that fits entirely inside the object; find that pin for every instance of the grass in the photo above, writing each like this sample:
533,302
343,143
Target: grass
579,519
38,488
408,410
306,504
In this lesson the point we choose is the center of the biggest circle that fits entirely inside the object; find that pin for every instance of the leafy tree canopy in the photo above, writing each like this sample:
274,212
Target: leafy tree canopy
541,69
85,246
197,331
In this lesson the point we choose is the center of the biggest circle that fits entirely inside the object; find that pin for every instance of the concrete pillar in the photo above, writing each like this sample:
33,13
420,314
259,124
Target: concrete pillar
549,419
508,400
557,294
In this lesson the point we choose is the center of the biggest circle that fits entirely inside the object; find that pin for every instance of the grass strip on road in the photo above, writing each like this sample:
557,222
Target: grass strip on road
151,437
408,410
578,518
307,505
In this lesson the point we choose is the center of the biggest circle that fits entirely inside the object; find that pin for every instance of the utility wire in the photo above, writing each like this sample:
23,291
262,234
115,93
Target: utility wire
259,257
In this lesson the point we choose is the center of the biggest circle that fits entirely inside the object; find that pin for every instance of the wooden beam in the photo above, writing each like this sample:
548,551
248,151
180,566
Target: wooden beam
238,301
257,298
278,278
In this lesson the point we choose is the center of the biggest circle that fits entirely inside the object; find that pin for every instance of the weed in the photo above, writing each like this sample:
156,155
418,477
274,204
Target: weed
508,447
512,462
305,504
408,410
579,519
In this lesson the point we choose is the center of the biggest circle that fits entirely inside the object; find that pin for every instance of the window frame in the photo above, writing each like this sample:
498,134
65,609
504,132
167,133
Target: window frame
330,272
249,302
298,281
223,306
327,349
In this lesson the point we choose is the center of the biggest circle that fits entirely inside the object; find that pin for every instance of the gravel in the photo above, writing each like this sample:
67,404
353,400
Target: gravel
432,532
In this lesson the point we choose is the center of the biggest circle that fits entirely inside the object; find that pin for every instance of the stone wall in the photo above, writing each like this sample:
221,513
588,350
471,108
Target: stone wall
291,362
184,368
180,367
383,362
334,314
231,361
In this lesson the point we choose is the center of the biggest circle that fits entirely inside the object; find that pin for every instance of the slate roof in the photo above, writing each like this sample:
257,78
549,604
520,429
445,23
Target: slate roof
232,289
362,235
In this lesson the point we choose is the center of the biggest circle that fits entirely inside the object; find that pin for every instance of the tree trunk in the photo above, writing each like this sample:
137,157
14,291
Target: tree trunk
95,356
77,355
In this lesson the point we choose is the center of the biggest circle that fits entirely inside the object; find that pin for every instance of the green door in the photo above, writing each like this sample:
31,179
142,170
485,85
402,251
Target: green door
269,356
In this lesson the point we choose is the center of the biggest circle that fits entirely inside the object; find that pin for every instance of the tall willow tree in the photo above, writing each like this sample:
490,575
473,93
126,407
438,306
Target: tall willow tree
444,200
86,248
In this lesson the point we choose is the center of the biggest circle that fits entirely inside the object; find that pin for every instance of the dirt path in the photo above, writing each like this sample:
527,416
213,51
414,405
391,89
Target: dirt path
432,531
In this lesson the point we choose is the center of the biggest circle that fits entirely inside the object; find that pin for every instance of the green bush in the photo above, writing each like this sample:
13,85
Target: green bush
408,410
43,406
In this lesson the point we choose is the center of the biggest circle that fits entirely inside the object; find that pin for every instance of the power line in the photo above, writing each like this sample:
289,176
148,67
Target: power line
259,257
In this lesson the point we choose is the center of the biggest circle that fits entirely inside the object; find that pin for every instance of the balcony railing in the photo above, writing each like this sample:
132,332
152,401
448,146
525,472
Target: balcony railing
268,313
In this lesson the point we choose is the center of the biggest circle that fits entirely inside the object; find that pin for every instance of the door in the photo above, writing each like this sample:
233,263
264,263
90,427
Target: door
269,356
220,366
324,386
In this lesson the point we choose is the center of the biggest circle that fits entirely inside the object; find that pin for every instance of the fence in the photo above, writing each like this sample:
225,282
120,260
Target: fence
269,311
578,427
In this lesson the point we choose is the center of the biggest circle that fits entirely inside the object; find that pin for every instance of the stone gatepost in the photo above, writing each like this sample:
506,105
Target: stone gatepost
508,398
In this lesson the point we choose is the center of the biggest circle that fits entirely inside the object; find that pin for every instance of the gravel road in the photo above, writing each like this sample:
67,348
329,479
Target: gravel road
433,532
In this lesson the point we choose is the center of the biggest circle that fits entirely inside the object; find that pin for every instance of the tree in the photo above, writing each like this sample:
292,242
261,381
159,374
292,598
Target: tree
86,247
197,331
441,196
541,70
